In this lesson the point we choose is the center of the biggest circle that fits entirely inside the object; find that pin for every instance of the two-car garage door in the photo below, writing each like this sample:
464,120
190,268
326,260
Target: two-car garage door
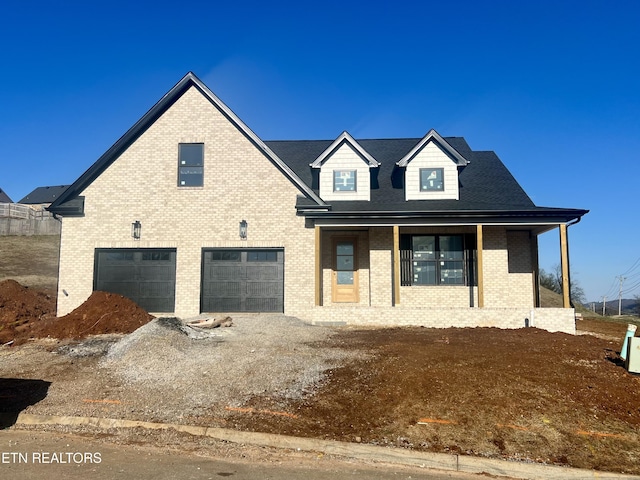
233,280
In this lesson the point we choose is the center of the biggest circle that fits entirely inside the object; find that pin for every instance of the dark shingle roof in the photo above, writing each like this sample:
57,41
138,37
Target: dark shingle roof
485,184
44,195
4,198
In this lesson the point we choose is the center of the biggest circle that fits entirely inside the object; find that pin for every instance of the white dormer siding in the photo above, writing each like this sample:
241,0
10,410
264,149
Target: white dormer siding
347,159
431,156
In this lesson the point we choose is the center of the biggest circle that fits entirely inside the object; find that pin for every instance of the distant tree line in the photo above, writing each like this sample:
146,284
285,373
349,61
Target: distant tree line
553,281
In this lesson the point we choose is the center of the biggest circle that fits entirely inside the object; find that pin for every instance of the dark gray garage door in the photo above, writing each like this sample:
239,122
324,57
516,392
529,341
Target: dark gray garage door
242,280
146,276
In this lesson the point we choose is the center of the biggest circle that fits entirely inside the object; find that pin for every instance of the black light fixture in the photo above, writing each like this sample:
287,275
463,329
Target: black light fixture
136,227
243,229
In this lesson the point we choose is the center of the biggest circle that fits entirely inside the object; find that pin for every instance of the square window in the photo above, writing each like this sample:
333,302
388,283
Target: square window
190,164
432,179
433,260
344,180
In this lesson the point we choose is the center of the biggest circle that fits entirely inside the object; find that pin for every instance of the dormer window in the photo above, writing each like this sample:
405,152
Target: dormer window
432,179
345,170
344,180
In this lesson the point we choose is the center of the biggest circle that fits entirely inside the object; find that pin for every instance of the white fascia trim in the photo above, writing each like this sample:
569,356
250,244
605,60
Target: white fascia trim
432,135
345,137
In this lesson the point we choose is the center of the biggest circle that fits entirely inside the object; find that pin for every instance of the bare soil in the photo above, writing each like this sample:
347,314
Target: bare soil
517,394
26,313
525,394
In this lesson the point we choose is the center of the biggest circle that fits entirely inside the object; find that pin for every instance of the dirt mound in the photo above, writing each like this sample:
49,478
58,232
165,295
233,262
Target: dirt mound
20,307
25,314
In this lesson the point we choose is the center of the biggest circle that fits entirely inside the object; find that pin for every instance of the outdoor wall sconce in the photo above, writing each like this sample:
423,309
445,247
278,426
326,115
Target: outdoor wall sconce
136,227
243,230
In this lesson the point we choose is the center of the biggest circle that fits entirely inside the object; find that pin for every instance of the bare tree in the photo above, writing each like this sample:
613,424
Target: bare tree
553,281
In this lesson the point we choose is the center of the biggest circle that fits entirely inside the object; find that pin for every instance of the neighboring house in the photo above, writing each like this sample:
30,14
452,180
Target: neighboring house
191,212
42,197
4,198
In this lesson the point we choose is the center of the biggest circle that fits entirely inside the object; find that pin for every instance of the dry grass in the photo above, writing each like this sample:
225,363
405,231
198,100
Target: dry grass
32,261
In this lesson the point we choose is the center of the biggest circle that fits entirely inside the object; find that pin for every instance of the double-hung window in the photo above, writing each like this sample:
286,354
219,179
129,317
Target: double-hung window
190,164
434,260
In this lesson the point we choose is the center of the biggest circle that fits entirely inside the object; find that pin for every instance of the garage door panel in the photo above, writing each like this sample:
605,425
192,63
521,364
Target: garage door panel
223,289
227,272
155,273
221,304
262,305
250,280
263,273
154,289
119,273
263,289
146,276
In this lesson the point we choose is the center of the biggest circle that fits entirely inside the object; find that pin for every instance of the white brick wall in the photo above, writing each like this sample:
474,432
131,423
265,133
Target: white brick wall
552,319
239,183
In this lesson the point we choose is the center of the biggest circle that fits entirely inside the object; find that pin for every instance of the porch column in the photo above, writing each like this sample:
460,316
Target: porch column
318,267
535,270
396,265
564,263
479,243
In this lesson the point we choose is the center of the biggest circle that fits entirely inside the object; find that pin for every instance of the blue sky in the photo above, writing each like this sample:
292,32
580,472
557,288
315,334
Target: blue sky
553,87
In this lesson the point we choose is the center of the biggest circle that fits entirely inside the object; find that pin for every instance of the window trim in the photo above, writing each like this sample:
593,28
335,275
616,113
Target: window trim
355,180
181,165
469,276
439,172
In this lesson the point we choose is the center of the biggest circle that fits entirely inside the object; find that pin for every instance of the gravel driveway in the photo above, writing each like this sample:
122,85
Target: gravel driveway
165,371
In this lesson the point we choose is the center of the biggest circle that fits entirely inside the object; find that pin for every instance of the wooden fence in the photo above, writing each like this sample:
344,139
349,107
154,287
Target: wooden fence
17,210
17,219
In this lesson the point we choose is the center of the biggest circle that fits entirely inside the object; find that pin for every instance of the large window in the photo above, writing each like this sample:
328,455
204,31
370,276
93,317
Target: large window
190,165
435,260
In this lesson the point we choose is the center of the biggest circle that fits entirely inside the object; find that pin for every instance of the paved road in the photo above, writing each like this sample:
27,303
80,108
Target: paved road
29,455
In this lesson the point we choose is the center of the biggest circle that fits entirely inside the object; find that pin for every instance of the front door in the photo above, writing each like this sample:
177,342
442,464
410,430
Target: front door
344,282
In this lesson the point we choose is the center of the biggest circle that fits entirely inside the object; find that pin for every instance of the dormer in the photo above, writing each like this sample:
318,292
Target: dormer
345,170
431,169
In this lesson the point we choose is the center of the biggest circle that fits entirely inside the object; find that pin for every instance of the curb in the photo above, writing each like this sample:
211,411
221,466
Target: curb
437,461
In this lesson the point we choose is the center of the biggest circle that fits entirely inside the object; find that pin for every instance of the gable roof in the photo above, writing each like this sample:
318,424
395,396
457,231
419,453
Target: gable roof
487,188
44,195
433,136
188,81
4,198
343,138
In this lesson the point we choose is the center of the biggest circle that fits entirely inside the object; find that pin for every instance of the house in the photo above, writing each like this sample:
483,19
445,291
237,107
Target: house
42,197
4,198
191,212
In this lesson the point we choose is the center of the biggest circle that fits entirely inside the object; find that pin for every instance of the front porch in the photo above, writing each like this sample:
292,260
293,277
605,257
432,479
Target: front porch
434,276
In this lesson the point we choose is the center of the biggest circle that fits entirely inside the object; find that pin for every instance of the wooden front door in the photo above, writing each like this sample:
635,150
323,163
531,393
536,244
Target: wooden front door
344,275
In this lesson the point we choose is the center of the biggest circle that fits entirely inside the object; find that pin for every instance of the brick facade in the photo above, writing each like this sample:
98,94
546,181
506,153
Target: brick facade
240,182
